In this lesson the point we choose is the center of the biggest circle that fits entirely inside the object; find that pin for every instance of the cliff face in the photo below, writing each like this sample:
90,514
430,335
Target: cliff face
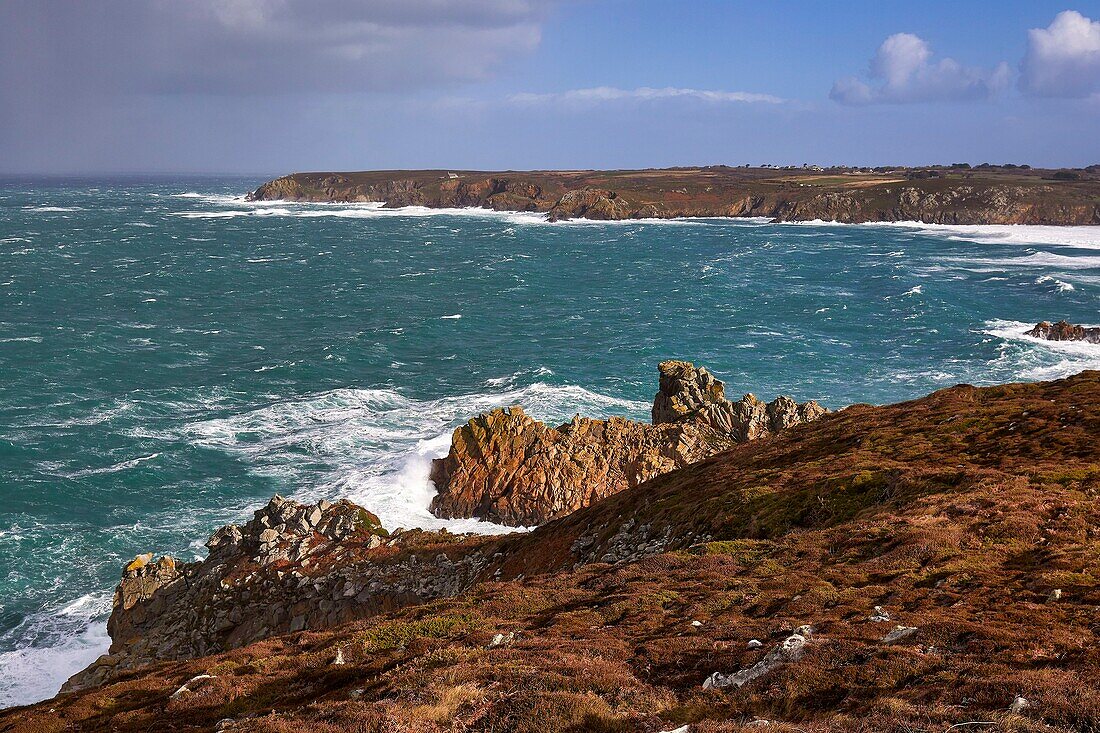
989,196
916,566
508,468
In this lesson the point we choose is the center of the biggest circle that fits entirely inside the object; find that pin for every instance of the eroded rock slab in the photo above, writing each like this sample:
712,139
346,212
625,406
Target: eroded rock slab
505,467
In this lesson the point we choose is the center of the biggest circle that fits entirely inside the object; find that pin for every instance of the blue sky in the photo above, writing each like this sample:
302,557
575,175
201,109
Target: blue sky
267,86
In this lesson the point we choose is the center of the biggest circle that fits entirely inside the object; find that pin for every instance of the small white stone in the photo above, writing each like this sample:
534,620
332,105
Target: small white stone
1019,705
754,644
339,656
696,623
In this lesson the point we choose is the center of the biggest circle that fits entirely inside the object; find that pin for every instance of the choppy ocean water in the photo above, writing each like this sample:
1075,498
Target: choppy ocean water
171,356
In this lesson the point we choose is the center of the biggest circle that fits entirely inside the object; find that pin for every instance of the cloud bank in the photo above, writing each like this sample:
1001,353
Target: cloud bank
1063,59
260,46
903,71
597,95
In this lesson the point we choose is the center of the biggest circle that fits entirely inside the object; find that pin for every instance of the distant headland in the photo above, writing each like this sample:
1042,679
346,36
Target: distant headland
955,194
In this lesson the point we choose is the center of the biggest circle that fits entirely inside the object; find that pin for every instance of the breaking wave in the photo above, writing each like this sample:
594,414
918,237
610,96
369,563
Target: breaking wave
1039,359
375,446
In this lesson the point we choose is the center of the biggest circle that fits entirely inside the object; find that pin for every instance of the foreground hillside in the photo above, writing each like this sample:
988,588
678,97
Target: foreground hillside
911,567
984,195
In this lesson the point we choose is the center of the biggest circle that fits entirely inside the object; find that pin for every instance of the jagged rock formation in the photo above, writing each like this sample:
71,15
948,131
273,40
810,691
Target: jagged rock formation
591,203
293,567
1065,331
987,196
507,468
692,395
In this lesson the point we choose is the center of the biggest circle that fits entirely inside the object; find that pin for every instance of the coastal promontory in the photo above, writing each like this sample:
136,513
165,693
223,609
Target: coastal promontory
985,194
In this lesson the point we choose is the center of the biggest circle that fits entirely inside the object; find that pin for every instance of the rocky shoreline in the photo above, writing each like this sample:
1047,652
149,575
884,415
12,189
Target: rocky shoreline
937,554
985,195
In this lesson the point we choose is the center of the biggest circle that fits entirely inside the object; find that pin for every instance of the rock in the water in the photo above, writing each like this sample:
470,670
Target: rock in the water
1065,331
506,467
790,650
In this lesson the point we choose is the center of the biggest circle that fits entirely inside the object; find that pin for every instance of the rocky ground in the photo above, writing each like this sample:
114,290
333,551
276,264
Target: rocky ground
926,566
983,195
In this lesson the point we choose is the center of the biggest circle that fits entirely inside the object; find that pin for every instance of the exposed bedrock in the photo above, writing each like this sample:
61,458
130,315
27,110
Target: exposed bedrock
292,567
1065,331
505,467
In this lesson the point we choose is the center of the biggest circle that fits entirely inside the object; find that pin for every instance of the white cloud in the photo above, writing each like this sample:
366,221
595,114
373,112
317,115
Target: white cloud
903,71
1063,59
596,95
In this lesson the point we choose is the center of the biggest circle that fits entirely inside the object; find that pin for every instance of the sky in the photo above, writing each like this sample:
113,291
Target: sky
273,86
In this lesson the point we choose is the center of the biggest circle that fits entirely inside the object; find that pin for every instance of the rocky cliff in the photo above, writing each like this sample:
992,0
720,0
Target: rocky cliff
292,567
926,566
990,195
507,468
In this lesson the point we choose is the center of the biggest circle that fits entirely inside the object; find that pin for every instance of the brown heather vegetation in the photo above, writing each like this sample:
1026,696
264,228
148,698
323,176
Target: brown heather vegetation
960,514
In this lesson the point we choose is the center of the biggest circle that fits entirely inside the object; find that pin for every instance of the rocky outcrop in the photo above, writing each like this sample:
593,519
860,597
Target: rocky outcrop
508,468
292,567
1065,331
693,395
591,203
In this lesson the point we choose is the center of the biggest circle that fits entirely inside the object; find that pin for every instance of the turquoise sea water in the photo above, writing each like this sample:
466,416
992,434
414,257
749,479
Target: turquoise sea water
171,356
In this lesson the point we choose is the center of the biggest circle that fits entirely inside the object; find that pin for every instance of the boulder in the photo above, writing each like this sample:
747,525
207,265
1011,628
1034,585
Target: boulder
1065,331
789,650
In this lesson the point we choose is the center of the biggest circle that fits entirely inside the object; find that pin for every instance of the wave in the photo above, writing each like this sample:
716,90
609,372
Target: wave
52,209
375,446
1035,260
1040,359
1060,285
61,640
376,210
1084,237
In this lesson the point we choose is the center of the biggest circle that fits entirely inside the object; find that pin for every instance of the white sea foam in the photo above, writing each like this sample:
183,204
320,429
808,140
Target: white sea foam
375,446
1085,237
1040,359
239,207
63,641
1060,285
1040,259
52,209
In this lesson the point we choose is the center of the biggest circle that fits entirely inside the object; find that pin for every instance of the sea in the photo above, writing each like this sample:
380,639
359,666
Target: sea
171,355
